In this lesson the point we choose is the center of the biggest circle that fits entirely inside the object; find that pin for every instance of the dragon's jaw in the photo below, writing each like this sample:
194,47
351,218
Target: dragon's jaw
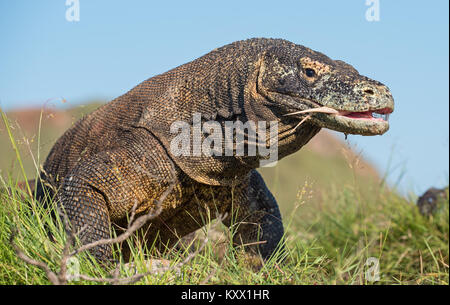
362,123
370,122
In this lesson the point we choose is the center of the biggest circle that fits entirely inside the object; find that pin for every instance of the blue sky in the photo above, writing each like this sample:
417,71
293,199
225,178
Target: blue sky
117,44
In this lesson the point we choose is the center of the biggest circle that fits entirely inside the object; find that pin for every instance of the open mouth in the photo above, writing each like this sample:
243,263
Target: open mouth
371,122
372,115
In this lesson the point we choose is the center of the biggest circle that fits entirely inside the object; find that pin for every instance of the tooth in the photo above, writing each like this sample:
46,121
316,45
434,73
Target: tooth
377,115
385,117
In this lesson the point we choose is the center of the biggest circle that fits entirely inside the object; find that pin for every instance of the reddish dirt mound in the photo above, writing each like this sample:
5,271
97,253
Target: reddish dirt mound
28,119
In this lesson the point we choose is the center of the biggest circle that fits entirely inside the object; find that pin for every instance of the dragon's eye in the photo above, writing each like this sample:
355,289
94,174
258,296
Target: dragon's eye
310,72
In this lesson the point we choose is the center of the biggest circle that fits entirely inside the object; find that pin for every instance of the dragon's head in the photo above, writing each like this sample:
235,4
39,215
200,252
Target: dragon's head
300,84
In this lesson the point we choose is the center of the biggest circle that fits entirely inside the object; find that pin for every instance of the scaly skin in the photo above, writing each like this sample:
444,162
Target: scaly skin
120,154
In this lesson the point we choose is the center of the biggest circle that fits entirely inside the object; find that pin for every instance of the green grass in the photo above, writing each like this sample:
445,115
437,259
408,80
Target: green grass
332,228
329,245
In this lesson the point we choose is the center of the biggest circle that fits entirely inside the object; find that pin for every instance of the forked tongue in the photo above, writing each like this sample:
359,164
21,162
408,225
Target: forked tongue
319,109
382,115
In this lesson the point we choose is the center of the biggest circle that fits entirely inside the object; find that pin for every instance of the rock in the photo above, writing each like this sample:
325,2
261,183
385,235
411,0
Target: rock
432,200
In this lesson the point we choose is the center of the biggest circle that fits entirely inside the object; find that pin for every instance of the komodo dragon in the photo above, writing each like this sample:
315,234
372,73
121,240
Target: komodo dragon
120,156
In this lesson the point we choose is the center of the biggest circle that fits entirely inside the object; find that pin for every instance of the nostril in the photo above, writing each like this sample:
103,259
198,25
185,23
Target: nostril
369,92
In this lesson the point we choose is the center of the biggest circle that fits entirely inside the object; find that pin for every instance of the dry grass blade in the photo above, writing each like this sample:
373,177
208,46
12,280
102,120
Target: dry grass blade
136,277
136,225
52,277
